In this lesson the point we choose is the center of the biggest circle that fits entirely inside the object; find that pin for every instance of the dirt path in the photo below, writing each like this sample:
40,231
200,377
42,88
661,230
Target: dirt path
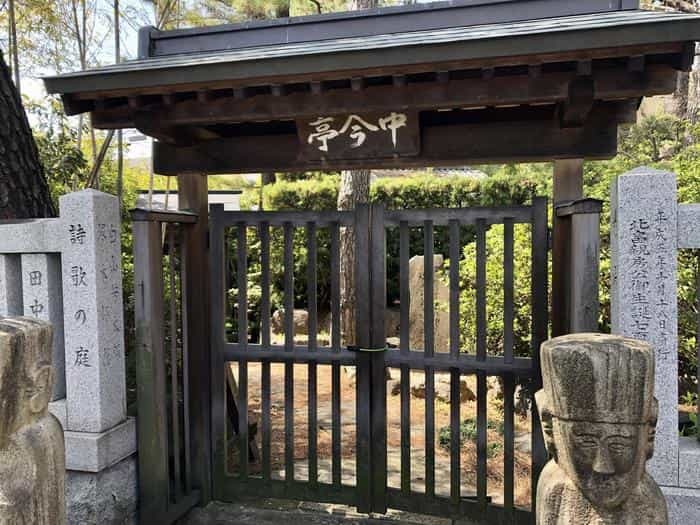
417,409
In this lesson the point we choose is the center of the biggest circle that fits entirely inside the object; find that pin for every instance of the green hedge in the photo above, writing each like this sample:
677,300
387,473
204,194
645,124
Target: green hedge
321,193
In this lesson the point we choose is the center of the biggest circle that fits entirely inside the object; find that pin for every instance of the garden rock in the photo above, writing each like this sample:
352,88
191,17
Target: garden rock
301,322
441,295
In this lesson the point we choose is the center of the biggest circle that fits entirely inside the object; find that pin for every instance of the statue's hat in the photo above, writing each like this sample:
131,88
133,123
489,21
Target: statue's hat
598,377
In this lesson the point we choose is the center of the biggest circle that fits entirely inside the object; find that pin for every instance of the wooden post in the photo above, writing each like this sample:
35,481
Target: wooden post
193,196
150,372
568,186
584,216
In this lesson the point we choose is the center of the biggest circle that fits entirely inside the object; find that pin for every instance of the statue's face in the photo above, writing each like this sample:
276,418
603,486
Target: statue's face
605,460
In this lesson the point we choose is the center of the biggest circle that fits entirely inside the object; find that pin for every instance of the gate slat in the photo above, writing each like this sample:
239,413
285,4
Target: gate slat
335,344
378,442
429,432
242,401
335,415
429,350
428,289
539,330
508,306
405,429
177,485
481,423
312,284
454,287
264,233
363,383
455,443
266,408
288,286
311,280
480,289
289,347
405,344
335,286
508,443
404,288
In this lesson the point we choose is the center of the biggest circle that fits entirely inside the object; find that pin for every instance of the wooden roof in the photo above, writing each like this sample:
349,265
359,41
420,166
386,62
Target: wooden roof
525,80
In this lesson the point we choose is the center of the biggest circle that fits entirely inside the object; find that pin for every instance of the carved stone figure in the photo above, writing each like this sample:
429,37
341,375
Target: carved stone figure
598,415
32,455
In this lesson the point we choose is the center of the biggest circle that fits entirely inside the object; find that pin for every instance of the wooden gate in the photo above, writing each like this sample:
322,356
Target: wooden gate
330,455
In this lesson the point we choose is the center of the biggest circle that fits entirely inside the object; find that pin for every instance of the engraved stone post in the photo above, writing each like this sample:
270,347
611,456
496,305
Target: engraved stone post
42,298
32,457
643,235
598,415
93,315
10,285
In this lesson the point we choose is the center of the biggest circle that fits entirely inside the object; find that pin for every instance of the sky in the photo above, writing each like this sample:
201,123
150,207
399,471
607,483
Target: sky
137,13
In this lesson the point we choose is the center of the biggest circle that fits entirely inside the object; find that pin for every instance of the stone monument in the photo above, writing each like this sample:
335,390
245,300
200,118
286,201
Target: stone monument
32,455
598,415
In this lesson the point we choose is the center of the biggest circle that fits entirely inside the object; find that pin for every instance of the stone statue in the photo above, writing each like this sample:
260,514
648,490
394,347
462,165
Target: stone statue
598,415
32,454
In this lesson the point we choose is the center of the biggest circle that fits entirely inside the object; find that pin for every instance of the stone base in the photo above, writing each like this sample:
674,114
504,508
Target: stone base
106,498
683,505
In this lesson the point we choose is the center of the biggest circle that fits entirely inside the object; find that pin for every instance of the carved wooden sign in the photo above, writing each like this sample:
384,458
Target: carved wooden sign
360,136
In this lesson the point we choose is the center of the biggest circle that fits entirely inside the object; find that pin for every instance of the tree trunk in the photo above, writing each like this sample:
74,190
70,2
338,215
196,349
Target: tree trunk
24,192
120,138
354,189
679,107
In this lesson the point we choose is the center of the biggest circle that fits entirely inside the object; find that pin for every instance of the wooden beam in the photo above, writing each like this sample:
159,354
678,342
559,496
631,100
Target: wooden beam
507,90
574,110
672,50
183,136
568,186
444,145
193,197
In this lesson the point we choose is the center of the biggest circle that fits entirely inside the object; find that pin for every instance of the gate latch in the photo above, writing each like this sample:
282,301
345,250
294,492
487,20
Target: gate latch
355,348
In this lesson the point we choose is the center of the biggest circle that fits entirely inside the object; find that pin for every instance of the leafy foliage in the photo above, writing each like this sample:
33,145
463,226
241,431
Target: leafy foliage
468,432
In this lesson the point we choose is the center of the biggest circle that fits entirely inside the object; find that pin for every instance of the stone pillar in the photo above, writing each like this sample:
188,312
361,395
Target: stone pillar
643,235
10,285
93,313
42,299
100,439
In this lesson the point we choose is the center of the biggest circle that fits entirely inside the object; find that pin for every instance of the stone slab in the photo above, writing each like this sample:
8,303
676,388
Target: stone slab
689,226
93,313
11,285
109,497
689,462
683,505
643,235
31,236
93,452
42,298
